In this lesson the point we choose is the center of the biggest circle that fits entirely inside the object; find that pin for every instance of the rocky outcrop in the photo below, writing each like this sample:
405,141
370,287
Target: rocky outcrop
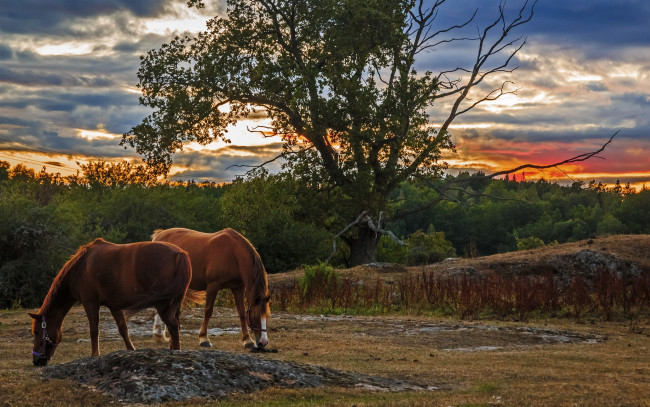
159,375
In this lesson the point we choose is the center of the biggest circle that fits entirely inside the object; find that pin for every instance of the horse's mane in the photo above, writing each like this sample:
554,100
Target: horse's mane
260,287
156,233
58,280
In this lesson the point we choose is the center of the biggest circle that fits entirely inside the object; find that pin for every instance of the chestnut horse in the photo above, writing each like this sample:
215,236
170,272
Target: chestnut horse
224,259
119,277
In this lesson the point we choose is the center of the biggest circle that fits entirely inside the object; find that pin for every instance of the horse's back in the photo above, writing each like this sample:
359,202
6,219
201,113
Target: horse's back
135,273
217,257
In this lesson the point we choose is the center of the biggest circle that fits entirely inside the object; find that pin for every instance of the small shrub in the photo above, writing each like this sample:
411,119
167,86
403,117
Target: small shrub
528,243
319,282
390,251
427,248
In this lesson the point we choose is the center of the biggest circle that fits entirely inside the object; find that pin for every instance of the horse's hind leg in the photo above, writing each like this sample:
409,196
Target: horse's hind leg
170,314
159,332
123,328
210,296
247,341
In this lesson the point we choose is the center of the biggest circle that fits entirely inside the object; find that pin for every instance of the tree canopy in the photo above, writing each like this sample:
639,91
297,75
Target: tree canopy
338,80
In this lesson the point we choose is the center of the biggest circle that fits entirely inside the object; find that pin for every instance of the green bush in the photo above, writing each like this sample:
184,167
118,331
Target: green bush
390,251
34,244
319,281
427,248
528,243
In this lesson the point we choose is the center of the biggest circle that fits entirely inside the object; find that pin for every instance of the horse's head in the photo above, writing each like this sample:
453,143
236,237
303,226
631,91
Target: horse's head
256,317
46,337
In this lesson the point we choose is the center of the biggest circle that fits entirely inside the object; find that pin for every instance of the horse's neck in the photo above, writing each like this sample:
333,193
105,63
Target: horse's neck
60,301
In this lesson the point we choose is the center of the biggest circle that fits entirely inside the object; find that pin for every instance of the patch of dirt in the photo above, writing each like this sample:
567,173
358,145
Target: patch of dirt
158,375
460,337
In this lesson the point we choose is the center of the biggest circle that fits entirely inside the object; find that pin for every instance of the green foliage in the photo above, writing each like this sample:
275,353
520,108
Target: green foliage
45,218
265,208
34,242
319,279
528,243
390,251
610,225
635,212
427,248
478,226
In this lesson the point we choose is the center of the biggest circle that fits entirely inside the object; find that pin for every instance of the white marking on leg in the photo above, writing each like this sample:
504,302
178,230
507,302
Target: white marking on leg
158,326
264,340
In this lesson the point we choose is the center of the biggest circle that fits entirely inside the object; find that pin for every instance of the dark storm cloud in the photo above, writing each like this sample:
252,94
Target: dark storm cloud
602,26
38,78
48,17
575,22
6,52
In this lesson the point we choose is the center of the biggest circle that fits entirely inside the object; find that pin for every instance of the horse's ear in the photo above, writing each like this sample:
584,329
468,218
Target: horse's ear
35,316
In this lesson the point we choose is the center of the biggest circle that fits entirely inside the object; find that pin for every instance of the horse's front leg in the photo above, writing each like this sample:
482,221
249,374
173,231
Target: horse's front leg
123,328
247,341
92,312
210,296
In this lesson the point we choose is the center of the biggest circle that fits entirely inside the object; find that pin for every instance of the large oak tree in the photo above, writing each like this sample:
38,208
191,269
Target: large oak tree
338,78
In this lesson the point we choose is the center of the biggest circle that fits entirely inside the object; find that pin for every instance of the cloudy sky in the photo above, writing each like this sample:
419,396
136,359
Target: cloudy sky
68,88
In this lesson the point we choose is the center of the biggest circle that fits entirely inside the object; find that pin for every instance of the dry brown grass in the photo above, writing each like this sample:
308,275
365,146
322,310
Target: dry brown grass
613,372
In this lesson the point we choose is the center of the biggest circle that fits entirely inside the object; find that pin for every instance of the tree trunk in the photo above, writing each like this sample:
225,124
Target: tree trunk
363,249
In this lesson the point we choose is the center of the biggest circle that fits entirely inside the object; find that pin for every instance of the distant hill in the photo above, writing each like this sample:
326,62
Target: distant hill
623,254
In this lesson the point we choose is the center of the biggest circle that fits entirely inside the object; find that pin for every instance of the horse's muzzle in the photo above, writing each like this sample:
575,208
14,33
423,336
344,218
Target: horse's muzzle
40,361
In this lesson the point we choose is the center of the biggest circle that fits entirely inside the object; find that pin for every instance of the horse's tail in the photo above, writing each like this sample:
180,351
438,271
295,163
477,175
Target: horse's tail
185,271
184,268
155,233
197,297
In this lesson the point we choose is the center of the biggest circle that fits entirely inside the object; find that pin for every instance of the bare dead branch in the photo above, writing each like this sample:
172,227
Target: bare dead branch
577,158
488,47
489,97
449,182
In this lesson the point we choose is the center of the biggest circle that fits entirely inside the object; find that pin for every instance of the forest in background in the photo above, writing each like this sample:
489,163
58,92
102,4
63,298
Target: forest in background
45,217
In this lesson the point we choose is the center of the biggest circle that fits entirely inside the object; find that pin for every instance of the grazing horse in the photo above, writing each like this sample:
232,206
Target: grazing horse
120,277
224,259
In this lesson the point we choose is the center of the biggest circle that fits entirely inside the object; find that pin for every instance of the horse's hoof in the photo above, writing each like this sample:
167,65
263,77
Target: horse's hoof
205,344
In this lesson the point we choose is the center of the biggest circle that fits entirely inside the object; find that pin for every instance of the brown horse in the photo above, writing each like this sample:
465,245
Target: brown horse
119,277
224,259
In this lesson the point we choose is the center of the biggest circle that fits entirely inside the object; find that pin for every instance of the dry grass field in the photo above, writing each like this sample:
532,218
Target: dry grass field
468,363
542,362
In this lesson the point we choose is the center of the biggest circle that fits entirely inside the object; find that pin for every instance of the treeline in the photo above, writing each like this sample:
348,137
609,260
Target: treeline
484,217
45,217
